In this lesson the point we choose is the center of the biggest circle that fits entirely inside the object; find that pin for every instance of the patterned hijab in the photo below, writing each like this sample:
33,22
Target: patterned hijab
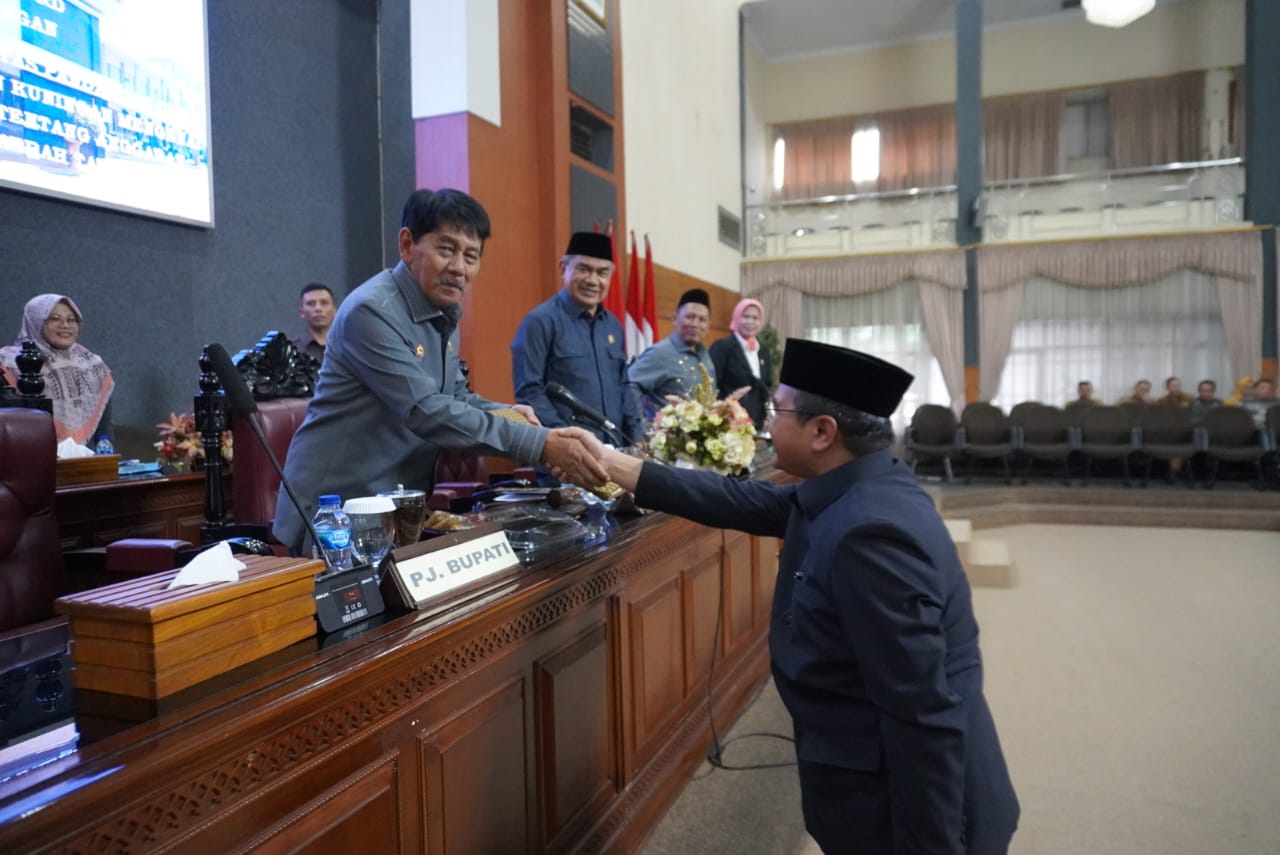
75,378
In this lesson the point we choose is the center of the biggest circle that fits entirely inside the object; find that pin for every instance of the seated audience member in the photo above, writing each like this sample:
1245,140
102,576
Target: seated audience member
1141,394
670,368
317,308
1261,397
1243,385
75,379
1205,400
1173,393
741,362
1084,396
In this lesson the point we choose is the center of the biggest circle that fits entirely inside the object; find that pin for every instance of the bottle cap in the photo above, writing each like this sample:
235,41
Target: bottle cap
369,505
330,499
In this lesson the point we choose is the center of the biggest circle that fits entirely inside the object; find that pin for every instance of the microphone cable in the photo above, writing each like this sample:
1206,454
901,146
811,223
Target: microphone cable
715,751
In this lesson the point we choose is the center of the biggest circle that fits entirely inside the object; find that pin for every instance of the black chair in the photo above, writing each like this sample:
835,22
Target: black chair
1075,410
1106,434
1231,436
985,433
1043,434
932,436
1167,434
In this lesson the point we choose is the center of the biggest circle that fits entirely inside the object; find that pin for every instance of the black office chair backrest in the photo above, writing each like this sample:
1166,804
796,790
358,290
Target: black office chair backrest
1015,414
1230,427
1273,420
985,424
933,424
1105,426
1041,424
1166,424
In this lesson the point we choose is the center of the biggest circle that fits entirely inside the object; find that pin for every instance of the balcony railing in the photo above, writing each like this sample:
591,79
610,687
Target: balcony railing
1171,197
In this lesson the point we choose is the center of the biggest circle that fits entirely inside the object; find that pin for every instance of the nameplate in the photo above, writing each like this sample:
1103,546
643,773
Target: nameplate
453,567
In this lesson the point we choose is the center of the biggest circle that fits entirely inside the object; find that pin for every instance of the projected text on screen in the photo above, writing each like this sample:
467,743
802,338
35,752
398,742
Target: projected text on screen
107,102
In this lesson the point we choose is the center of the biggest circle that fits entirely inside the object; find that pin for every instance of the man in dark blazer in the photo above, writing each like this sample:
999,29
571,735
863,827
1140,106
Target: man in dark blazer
742,361
873,640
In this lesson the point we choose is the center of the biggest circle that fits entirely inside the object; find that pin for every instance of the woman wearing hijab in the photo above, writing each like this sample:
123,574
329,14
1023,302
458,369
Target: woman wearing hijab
75,379
740,360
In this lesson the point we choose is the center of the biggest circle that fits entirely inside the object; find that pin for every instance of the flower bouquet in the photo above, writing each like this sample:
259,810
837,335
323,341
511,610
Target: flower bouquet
703,432
180,444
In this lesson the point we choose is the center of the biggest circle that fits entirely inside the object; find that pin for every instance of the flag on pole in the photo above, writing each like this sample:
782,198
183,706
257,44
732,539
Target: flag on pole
613,299
635,310
649,325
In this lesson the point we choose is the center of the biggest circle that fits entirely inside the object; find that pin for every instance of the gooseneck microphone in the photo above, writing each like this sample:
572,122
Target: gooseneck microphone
243,405
583,411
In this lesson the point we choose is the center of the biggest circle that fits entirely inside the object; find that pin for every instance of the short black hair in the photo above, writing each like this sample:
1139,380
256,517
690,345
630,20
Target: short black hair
861,432
315,286
428,210
1210,382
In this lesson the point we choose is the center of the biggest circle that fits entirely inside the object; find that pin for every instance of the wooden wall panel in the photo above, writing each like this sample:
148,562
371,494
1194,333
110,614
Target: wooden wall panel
764,563
360,815
739,590
657,662
701,582
577,762
472,803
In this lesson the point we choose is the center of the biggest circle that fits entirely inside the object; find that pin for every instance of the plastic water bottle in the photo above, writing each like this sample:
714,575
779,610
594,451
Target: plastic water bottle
104,446
333,528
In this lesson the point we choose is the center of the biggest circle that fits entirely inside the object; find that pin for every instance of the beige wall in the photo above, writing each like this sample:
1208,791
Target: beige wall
1062,53
680,94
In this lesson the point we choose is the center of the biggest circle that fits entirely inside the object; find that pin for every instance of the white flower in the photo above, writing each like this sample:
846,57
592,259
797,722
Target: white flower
691,446
715,447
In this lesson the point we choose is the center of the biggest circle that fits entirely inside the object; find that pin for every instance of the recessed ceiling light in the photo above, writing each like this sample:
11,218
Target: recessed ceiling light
1116,13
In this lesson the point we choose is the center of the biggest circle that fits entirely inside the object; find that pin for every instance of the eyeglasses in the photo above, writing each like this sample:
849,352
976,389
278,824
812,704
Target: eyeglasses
770,410
63,319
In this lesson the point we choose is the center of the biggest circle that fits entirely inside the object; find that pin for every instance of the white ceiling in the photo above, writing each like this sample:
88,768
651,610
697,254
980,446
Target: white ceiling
789,29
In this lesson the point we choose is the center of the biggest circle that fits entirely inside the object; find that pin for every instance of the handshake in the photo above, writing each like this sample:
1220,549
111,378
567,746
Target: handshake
577,456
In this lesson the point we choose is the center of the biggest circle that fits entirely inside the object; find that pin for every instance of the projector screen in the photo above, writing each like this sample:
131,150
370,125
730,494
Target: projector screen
107,102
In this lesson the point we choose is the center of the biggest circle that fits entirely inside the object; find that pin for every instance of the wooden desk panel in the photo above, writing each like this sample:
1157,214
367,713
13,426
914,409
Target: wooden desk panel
171,506
539,713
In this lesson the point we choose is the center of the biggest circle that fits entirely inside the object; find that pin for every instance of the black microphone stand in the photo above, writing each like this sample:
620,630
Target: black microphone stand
211,415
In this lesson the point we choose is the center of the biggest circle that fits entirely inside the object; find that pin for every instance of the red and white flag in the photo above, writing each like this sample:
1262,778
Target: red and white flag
649,325
635,312
613,299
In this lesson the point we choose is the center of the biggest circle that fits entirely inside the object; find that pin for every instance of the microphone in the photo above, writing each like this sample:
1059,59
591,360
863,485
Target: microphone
243,405
582,410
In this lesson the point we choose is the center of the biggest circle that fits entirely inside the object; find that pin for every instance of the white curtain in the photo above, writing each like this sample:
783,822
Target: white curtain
889,324
1114,337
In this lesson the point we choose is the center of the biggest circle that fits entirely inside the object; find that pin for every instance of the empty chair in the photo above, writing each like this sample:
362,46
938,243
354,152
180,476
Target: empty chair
1043,434
1075,410
1106,434
1167,434
1273,436
1231,435
986,434
932,436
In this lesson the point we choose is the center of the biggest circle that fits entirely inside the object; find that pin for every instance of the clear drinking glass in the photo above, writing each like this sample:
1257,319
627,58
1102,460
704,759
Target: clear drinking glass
372,528
411,510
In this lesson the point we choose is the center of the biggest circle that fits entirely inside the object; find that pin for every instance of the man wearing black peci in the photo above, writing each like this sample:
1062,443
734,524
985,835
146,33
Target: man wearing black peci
873,640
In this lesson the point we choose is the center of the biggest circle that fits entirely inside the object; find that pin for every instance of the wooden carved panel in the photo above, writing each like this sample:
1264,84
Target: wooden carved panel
577,762
360,815
474,773
739,589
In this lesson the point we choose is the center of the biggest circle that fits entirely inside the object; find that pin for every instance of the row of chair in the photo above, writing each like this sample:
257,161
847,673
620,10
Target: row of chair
1034,432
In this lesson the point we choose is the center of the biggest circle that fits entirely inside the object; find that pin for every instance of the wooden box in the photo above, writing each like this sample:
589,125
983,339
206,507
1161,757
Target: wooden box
141,638
88,470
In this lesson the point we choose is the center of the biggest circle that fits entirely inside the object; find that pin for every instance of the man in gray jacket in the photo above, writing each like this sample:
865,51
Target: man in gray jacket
390,394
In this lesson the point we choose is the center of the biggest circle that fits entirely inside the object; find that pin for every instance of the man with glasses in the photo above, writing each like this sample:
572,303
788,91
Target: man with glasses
574,341
873,640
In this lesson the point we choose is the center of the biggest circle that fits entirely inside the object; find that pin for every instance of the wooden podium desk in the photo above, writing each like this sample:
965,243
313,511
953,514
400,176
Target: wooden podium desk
561,712
169,506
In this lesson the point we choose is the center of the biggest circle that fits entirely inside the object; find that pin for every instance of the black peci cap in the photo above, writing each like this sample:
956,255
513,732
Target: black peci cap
845,376
695,295
591,245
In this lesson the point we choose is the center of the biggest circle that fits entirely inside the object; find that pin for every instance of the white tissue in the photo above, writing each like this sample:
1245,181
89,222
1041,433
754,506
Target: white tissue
215,564
68,449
